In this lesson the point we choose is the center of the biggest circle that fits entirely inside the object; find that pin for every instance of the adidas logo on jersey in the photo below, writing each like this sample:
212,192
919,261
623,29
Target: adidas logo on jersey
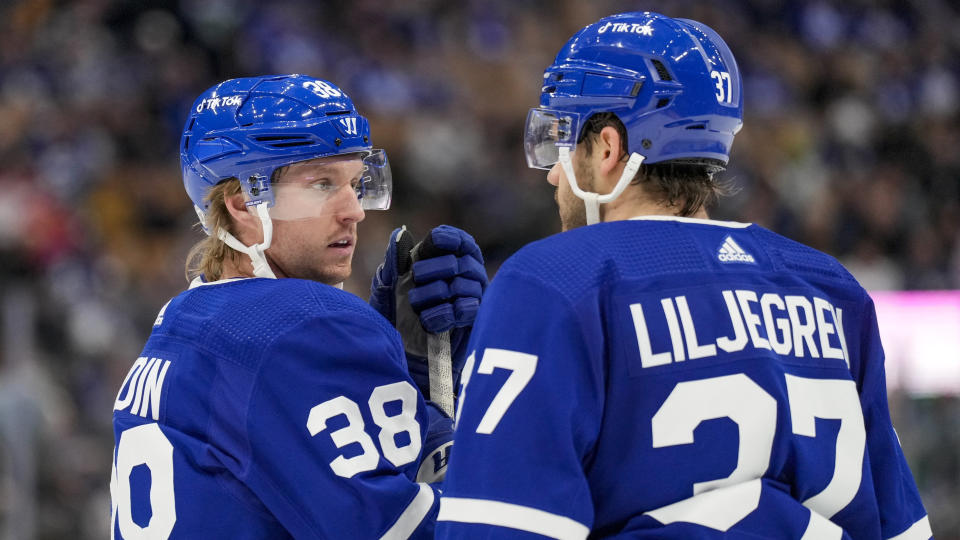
731,251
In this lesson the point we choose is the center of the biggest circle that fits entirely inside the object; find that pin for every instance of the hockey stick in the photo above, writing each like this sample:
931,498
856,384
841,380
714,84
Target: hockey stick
439,361
441,375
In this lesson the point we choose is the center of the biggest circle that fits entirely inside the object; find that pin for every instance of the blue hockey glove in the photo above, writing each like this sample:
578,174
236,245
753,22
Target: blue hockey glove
432,287
383,286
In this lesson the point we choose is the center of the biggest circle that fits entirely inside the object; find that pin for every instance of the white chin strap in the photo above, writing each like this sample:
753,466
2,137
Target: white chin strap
261,268
594,200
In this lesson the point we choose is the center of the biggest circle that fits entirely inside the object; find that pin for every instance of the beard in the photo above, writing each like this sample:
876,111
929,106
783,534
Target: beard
573,211
326,272
298,252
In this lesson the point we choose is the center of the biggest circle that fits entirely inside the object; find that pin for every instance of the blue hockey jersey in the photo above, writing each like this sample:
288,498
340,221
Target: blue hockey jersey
265,408
676,378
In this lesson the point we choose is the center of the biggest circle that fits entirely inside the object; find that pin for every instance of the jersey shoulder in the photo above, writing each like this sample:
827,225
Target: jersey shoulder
240,319
584,259
792,256
673,250
577,261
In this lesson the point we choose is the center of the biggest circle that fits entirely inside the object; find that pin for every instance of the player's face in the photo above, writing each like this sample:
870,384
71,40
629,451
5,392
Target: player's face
318,244
573,213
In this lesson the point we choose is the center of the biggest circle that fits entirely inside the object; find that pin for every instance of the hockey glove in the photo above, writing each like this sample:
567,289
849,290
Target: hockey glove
432,287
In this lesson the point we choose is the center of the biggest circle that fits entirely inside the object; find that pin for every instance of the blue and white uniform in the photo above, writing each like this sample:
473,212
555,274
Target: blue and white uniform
676,378
265,408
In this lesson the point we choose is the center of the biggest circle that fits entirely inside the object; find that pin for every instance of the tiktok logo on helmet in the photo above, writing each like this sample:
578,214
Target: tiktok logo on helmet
634,28
213,102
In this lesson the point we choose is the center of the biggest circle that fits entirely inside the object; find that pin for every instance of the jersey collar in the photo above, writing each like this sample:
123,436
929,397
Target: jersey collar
729,224
199,282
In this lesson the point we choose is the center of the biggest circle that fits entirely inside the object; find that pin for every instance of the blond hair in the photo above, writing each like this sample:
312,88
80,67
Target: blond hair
208,255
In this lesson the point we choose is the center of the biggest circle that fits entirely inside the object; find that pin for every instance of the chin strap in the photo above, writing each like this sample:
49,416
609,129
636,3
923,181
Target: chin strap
591,200
261,268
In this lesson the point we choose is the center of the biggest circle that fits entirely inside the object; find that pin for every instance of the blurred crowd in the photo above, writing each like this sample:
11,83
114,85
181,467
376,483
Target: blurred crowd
851,144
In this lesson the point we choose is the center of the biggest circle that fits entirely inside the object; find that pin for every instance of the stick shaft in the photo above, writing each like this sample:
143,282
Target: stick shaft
441,376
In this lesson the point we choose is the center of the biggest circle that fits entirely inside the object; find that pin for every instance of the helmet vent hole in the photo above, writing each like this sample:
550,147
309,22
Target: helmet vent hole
662,102
661,70
336,113
290,144
697,126
246,125
186,142
549,89
271,138
192,122
559,76
285,141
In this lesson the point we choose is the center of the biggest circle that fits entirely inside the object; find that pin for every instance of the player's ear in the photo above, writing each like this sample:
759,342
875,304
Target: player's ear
609,149
246,224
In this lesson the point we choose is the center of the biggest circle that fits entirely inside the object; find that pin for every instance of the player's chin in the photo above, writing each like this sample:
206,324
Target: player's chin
337,272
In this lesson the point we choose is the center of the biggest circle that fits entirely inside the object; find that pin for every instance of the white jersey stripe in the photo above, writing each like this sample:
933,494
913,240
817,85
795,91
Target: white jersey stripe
821,528
514,516
410,519
918,531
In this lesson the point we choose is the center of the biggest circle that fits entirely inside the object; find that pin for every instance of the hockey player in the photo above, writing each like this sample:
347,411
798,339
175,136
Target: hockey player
281,408
655,373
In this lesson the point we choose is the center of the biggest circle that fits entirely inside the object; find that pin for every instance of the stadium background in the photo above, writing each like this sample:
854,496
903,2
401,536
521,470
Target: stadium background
851,144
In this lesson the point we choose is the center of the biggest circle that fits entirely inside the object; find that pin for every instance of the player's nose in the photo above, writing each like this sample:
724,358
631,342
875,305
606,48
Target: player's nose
350,209
554,175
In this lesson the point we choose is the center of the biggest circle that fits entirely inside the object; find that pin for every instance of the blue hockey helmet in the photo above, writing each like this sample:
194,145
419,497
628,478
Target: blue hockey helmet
247,128
672,82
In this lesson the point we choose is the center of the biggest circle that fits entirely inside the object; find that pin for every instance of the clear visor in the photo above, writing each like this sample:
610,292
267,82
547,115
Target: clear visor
546,131
325,186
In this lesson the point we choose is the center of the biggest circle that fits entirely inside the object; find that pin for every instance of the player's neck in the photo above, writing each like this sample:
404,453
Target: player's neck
636,208
237,267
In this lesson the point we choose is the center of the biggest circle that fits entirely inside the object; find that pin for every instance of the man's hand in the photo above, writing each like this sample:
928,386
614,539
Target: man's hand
432,287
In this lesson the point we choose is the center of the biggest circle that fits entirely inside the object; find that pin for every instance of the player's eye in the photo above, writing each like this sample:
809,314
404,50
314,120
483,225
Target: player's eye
323,184
358,186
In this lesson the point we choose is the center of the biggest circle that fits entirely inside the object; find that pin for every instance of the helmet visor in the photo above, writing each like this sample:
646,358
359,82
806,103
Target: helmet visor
546,131
325,186
376,183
